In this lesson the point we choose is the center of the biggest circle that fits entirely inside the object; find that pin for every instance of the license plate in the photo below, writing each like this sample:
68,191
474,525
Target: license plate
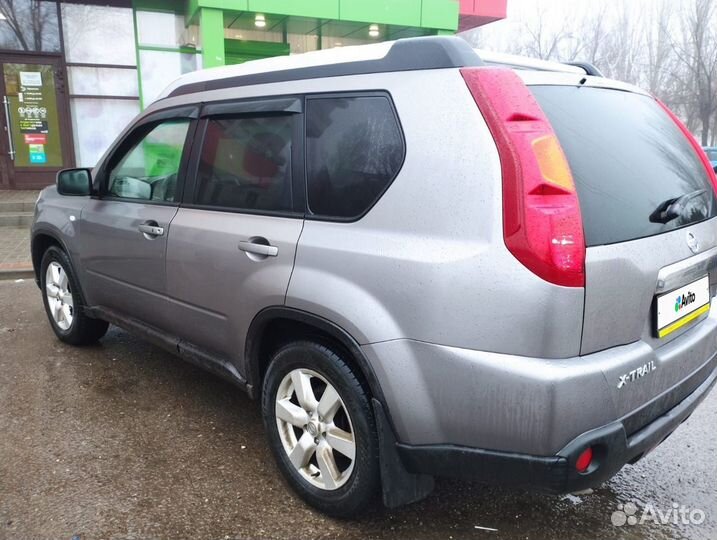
682,306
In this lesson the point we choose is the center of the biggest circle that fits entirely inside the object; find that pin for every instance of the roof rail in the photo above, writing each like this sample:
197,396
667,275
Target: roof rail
430,52
526,62
588,67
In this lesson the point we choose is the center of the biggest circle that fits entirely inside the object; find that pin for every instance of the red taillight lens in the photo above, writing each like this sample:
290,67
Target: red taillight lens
542,223
701,153
584,460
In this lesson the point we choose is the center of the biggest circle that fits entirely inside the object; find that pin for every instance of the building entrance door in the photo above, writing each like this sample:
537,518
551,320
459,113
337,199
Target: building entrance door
36,137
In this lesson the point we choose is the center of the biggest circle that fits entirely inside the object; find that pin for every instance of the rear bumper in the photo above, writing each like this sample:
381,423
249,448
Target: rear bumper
612,445
440,395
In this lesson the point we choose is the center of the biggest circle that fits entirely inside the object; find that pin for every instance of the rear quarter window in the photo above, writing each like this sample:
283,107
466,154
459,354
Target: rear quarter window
627,157
354,150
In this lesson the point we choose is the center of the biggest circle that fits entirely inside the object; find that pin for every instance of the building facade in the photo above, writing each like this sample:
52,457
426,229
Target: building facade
75,73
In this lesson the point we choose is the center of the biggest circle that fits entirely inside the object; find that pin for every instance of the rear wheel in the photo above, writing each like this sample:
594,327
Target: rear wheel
64,303
321,428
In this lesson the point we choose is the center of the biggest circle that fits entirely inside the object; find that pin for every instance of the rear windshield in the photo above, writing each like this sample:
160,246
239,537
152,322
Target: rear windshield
629,161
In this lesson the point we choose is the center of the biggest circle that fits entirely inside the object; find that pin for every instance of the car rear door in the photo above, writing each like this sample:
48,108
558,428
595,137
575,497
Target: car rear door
232,244
124,229
648,206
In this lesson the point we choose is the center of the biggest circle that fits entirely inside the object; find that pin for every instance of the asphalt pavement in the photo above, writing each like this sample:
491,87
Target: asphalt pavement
122,440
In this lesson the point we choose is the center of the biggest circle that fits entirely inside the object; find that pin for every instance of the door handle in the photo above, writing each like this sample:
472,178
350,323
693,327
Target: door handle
259,246
8,128
151,229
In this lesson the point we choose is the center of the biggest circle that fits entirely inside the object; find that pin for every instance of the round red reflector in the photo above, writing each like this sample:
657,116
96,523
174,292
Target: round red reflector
584,460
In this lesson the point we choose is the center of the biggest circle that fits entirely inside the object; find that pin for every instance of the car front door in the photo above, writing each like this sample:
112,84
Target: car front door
124,229
233,241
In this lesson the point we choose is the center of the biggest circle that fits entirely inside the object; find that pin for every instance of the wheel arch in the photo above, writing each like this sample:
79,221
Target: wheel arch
41,240
398,486
275,326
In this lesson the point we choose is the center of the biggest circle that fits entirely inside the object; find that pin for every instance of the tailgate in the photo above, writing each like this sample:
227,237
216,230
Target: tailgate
624,281
648,208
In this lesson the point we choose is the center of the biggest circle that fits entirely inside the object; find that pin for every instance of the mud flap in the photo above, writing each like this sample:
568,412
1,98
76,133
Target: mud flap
399,486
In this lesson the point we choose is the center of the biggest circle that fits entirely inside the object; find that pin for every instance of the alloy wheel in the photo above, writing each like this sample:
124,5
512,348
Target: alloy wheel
59,295
315,429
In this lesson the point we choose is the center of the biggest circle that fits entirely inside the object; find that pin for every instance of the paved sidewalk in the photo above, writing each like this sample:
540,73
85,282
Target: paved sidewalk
15,259
14,248
20,195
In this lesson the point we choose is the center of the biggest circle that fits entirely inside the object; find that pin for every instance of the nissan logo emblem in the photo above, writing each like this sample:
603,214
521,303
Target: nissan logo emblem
692,243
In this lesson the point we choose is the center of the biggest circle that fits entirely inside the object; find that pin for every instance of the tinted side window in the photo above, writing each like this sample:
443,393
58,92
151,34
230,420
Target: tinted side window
245,164
148,171
354,149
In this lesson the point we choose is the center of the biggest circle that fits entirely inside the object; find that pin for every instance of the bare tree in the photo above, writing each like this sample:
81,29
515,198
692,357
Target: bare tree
30,21
542,42
696,52
668,47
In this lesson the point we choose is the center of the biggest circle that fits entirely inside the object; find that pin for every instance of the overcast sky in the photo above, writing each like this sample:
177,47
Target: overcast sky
556,14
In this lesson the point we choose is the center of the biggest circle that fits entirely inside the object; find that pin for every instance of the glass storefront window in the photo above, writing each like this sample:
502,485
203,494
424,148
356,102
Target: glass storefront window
96,123
329,42
253,35
159,68
156,29
29,25
300,43
98,34
96,81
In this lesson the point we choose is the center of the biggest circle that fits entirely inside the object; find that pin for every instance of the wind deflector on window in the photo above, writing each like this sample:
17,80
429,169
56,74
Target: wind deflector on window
285,105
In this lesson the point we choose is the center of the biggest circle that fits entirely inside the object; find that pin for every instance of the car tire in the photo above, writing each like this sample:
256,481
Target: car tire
332,407
63,301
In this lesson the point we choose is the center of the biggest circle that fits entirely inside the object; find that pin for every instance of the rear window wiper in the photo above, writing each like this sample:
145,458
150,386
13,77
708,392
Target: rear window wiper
674,208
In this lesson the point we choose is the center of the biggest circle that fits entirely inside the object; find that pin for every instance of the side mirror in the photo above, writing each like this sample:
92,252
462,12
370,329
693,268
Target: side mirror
74,182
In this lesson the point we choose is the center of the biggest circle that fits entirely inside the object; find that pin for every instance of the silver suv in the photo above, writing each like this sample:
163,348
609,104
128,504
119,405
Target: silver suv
423,260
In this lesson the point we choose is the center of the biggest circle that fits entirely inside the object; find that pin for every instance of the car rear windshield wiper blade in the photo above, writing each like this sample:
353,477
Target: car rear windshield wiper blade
674,208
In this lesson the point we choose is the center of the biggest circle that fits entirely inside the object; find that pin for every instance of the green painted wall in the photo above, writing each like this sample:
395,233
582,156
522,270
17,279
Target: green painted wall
434,14
439,14
238,51
211,29
321,9
402,12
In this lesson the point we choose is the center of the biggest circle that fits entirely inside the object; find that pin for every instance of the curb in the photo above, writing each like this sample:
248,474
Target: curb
17,273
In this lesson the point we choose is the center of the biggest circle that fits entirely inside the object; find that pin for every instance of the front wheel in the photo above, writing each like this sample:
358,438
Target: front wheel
321,428
63,303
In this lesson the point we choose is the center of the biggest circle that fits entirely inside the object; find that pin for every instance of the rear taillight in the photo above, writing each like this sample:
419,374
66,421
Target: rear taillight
542,223
701,153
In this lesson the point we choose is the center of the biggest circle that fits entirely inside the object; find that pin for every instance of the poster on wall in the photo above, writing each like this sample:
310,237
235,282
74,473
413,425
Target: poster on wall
37,153
34,118
30,78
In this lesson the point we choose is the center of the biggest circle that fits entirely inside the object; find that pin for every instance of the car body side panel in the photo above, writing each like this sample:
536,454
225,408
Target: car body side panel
59,216
214,288
123,269
428,261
